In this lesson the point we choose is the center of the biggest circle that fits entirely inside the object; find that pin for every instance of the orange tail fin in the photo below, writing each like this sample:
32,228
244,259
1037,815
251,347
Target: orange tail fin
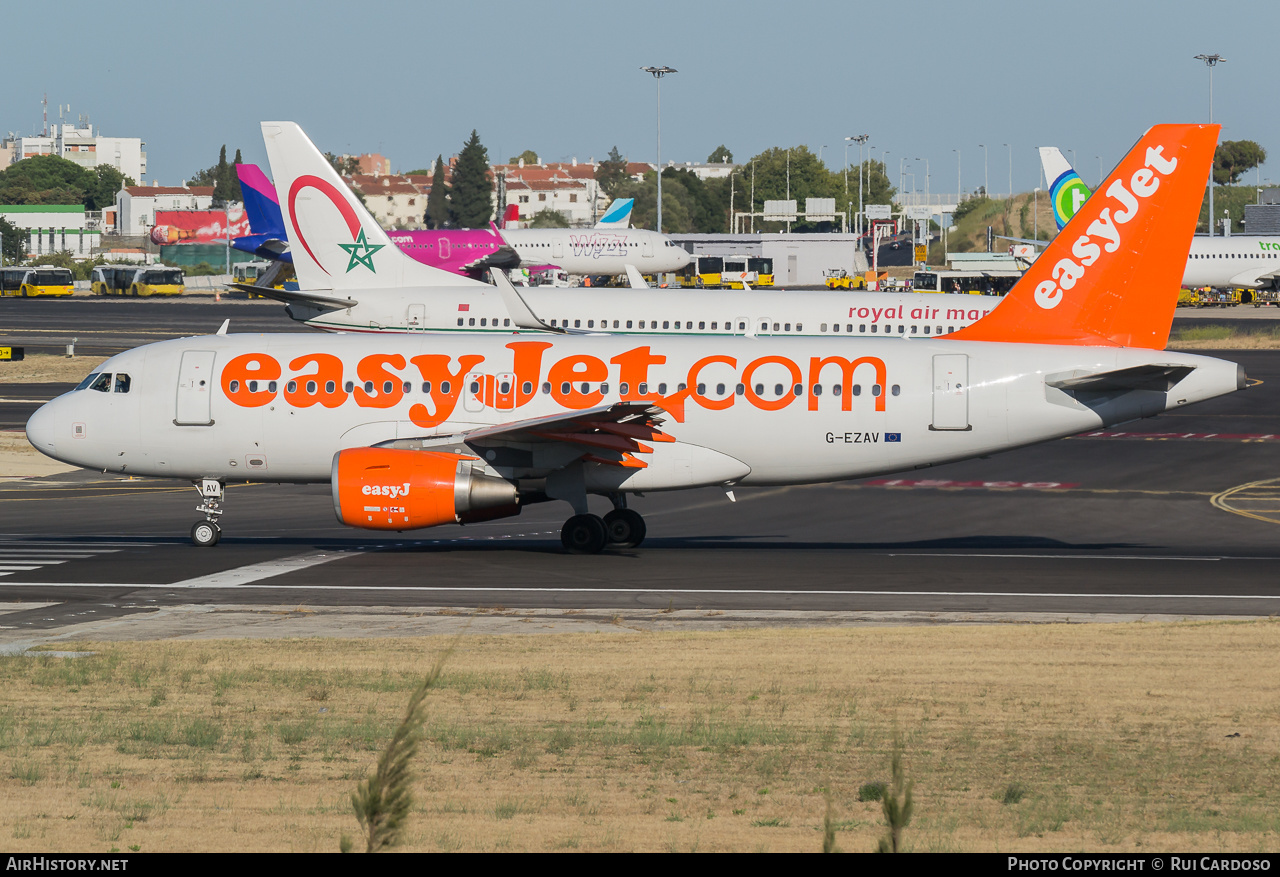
1111,276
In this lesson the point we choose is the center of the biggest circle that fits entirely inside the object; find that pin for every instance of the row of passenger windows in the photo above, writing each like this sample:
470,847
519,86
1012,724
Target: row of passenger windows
729,326
102,382
1234,255
504,388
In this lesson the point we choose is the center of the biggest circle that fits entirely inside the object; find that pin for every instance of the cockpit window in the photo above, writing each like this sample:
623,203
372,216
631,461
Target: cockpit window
102,384
87,381
122,382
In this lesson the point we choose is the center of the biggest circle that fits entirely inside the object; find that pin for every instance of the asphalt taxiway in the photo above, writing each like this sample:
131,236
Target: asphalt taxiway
1177,515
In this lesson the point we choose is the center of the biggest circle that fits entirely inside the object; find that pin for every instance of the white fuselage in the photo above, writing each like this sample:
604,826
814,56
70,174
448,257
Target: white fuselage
480,308
597,250
758,411
1235,261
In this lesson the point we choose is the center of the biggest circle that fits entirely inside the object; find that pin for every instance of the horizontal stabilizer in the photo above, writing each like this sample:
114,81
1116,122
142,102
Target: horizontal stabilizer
1155,376
293,297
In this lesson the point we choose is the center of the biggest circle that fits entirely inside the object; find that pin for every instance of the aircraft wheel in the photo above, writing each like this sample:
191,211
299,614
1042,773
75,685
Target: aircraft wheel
583,534
205,534
626,529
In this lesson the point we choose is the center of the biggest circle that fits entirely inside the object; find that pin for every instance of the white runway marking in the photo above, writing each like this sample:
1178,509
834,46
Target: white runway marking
18,556
244,575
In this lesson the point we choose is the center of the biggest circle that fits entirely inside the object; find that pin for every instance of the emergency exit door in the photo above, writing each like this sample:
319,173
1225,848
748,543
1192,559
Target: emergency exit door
195,388
951,392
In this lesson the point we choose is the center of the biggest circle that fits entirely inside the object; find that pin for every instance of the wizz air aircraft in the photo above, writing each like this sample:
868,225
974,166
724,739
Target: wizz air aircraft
1215,261
352,279
416,431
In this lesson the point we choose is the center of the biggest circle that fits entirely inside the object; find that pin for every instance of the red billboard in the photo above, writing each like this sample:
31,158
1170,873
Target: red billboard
198,226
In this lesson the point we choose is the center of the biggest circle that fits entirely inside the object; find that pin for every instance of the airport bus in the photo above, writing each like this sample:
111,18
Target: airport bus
971,282
137,280
36,281
704,272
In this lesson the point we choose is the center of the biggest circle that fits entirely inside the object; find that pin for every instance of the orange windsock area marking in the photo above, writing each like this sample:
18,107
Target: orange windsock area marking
1111,276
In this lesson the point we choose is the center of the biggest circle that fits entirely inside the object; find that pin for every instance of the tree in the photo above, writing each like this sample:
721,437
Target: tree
13,247
437,215
549,219
106,186
347,166
222,177
471,195
1233,158
612,173
720,155
46,179
528,157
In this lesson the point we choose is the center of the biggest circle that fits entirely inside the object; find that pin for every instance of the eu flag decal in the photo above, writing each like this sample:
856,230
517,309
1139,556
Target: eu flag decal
893,436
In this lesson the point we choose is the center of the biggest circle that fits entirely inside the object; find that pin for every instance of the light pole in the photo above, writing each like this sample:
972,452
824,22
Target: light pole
959,188
658,73
1035,216
820,148
861,138
1211,61
986,178
1010,170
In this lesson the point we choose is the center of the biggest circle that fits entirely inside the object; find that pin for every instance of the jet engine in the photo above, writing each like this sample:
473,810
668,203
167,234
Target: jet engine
388,489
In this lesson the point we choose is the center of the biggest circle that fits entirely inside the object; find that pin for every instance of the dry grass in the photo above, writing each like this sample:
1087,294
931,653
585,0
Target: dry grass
39,368
1116,738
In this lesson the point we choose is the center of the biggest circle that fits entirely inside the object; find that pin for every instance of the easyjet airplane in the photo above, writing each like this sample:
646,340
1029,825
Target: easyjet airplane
415,431
350,282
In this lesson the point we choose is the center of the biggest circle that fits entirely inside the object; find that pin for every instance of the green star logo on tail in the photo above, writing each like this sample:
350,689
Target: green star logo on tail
358,258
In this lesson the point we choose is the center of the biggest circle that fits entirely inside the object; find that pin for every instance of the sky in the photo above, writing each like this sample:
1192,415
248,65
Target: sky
410,80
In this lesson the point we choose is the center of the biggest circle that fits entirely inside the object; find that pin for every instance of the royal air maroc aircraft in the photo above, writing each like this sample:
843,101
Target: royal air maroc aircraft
351,280
415,431
1221,262
607,248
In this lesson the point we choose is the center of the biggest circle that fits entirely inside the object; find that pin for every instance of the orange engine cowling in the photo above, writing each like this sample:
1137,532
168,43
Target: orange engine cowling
387,489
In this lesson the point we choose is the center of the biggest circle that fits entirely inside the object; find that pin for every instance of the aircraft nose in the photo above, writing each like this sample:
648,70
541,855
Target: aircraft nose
42,428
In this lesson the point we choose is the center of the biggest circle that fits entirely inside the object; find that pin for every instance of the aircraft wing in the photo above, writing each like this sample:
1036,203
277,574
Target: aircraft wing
610,434
1254,276
294,297
505,258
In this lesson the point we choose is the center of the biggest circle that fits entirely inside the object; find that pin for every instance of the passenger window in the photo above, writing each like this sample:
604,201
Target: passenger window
406,387
233,387
122,383
311,388
875,389
777,389
459,321
350,385
662,389
913,330
527,388
837,389
291,387
701,324
271,386
666,324
926,329
628,324
444,387
874,328
471,321
103,383
330,386
484,321
387,387
591,324
862,328
577,324
857,389
546,389
798,390
849,328
426,387
799,327
896,389
817,389
624,388
644,389
564,389
714,326
740,389
368,387
604,388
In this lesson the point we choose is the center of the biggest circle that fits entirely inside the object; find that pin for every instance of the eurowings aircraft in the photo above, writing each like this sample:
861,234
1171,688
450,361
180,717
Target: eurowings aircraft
352,280
417,431
1220,262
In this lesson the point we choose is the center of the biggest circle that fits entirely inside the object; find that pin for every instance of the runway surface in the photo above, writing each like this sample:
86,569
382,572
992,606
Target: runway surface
1175,515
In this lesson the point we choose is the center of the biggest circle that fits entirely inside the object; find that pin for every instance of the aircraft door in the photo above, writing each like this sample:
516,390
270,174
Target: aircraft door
557,249
444,248
504,391
195,389
646,248
473,392
416,317
951,392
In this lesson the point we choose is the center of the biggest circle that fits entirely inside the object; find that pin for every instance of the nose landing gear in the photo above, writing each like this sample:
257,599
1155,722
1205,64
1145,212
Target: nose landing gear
206,533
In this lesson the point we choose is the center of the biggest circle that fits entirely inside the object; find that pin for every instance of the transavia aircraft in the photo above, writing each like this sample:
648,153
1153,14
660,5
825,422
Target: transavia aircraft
416,431
352,278
1218,261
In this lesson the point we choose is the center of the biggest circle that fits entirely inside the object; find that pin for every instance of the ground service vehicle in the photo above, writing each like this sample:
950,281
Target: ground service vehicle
970,282
704,272
838,278
137,280
28,282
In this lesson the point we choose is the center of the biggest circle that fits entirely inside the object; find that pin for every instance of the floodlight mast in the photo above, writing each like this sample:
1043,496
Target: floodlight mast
658,73
1211,61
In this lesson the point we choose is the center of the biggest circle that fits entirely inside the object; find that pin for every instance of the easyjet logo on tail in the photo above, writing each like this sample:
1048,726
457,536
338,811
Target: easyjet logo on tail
1105,233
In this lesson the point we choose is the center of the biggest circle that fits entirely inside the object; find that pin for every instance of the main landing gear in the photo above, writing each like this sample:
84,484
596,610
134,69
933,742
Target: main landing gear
590,534
206,533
